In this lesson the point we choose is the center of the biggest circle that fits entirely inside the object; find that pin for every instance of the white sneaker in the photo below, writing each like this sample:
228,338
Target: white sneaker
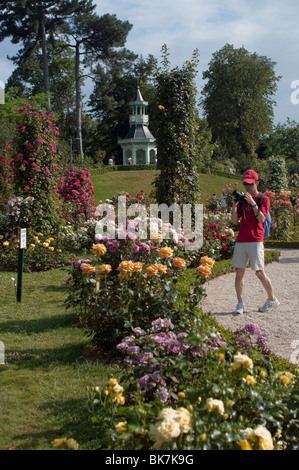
240,308
268,305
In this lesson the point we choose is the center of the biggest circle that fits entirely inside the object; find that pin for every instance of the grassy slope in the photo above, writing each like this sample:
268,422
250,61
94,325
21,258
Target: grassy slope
108,184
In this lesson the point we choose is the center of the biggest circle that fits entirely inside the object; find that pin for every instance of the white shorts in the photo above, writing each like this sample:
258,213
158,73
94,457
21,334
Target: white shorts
254,252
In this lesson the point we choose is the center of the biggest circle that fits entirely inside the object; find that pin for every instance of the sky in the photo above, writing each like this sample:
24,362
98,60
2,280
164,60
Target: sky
267,27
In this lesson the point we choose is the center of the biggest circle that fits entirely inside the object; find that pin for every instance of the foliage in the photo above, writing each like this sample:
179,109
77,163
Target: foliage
76,193
6,178
176,133
34,159
276,174
41,253
237,101
281,210
237,402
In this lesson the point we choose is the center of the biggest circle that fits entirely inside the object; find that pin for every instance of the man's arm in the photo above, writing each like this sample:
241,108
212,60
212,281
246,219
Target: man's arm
234,213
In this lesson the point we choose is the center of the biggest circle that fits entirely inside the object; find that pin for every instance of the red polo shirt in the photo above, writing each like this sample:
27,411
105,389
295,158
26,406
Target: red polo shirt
250,229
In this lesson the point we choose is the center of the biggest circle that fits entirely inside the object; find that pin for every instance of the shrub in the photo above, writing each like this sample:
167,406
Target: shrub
76,195
34,160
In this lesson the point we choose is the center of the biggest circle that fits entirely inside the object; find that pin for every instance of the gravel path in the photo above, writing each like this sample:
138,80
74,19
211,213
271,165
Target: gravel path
280,324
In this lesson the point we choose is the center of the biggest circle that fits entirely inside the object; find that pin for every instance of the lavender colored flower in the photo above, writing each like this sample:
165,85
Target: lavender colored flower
133,349
138,331
144,358
161,323
162,394
122,346
253,329
143,382
262,340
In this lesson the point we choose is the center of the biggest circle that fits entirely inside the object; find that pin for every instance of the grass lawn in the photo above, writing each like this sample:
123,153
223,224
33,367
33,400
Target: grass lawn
108,184
44,381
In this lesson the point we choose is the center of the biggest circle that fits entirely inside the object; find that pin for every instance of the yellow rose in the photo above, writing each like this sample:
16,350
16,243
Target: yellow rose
245,445
59,250
265,438
250,380
45,245
6,243
1,237
98,249
72,444
104,269
122,426
285,377
51,248
179,263
215,405
241,360
165,252
39,234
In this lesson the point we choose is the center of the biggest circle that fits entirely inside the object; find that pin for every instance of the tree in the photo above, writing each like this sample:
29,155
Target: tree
30,21
176,136
115,87
237,100
95,38
284,140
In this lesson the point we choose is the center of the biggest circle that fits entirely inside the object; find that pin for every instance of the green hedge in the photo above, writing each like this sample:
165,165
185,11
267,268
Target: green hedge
281,244
111,168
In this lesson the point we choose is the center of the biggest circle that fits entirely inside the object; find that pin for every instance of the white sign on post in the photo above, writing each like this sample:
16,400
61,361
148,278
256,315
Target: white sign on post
23,238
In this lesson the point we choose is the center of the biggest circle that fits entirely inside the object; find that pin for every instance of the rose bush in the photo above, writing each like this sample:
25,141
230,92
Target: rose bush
235,404
76,194
281,210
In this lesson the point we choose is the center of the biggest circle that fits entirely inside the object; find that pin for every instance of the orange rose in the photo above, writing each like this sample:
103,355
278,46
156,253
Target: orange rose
137,267
88,268
98,249
126,266
179,263
104,269
165,252
206,261
152,270
203,271
161,268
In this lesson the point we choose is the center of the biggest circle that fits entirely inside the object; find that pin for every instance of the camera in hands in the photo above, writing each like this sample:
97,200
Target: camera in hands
238,195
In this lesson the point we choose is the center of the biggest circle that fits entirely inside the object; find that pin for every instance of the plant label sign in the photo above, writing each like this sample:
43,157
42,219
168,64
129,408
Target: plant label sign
23,238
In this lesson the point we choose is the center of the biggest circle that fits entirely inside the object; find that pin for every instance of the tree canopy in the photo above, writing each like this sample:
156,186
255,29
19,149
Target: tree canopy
238,100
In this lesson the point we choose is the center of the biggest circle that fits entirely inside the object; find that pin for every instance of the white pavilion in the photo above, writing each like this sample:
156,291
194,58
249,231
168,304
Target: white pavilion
139,145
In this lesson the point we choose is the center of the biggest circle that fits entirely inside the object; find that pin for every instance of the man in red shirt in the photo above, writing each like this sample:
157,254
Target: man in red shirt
250,240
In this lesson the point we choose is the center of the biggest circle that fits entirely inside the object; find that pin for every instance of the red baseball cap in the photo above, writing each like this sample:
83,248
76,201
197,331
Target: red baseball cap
250,176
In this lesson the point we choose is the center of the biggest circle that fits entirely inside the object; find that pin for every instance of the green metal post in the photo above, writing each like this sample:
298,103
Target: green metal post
20,274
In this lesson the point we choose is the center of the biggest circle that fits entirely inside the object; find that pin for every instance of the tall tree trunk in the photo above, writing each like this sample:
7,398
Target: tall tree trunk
78,103
45,63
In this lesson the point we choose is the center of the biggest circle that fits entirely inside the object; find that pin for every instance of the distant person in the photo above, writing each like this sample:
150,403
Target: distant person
250,240
223,203
111,161
129,161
